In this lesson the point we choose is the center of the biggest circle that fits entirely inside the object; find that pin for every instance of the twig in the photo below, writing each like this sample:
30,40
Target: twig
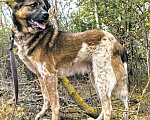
141,97
130,6
132,92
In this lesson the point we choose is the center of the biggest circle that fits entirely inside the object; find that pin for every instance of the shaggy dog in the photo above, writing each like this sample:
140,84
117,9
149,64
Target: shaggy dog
50,53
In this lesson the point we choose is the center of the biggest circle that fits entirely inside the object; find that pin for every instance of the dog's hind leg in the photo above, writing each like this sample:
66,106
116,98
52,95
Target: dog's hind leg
104,80
46,102
104,95
104,77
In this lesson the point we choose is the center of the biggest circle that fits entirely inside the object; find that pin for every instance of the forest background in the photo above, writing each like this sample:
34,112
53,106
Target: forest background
128,20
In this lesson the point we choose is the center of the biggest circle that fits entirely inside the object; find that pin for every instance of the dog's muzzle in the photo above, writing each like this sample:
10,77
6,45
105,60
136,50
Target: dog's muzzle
38,20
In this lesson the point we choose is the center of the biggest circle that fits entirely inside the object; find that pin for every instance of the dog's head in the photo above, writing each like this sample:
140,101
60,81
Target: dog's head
31,15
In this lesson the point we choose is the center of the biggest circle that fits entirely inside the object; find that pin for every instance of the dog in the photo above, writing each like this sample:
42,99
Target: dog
49,53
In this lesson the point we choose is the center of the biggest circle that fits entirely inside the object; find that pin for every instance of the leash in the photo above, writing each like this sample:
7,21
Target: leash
14,72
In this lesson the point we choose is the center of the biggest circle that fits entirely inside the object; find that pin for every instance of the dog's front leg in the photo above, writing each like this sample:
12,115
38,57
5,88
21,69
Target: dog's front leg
50,82
45,97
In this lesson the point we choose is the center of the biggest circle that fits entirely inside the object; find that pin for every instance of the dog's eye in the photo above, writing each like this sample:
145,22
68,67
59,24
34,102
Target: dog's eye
34,5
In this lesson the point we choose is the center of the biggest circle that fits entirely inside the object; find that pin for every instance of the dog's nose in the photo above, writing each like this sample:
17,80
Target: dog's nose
45,15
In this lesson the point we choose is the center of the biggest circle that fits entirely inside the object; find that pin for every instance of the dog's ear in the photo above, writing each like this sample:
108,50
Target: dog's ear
14,4
47,4
11,3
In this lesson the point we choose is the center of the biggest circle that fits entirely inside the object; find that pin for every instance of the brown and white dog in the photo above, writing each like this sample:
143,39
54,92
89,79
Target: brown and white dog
50,53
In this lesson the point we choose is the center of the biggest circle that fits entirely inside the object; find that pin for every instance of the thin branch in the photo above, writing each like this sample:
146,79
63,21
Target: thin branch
130,6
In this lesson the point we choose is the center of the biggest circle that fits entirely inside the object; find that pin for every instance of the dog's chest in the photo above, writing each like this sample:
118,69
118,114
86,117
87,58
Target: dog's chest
22,53
26,59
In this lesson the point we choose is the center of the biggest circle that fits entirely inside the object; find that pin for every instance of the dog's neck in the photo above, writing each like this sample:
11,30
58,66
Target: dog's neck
29,40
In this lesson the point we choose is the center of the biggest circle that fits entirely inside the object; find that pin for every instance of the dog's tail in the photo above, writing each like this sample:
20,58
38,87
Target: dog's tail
124,58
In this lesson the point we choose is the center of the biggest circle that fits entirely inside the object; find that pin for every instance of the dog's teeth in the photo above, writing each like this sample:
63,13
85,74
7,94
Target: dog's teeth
32,20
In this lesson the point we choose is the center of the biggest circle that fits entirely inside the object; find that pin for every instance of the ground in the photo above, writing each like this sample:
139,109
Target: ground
30,101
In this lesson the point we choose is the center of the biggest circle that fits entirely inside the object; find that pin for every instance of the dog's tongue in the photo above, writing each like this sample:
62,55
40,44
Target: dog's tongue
42,26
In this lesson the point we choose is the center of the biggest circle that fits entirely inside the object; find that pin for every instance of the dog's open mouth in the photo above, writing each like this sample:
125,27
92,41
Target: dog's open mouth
37,25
